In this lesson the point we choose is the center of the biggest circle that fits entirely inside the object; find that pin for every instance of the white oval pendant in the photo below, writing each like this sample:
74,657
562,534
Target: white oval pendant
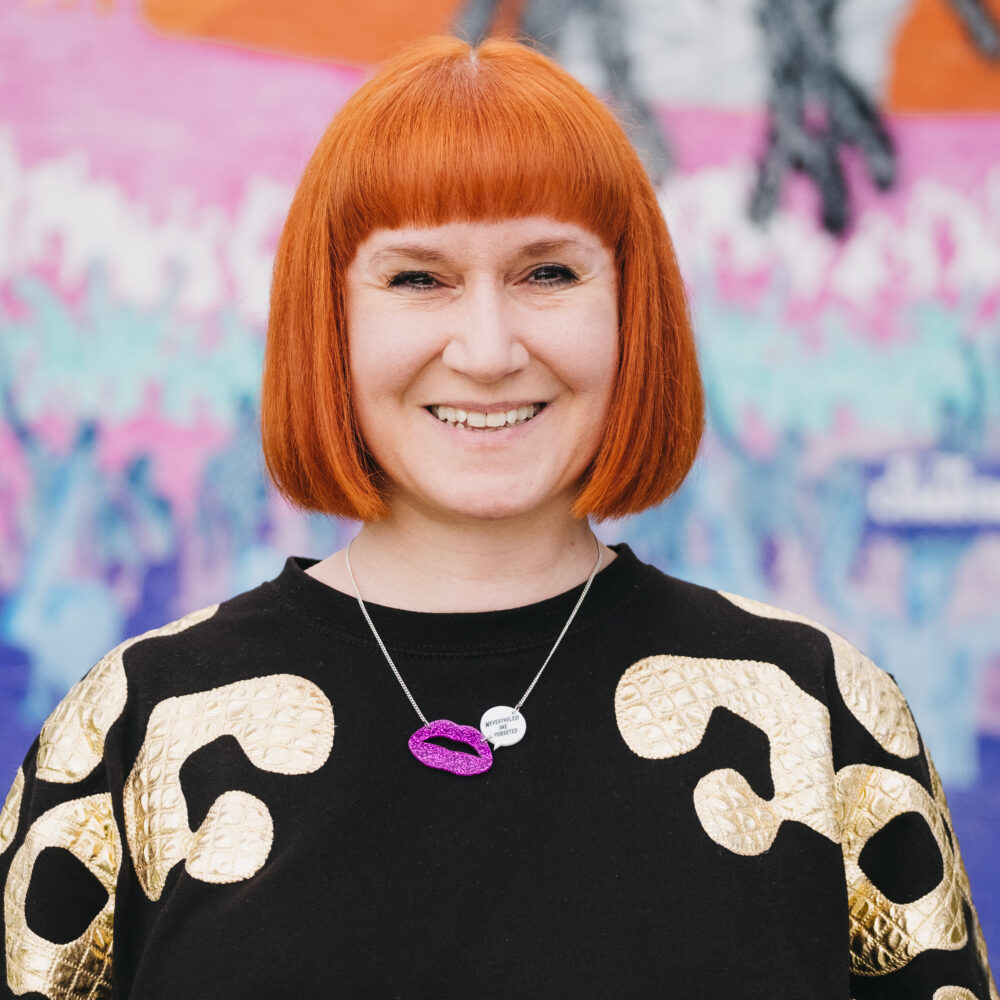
503,726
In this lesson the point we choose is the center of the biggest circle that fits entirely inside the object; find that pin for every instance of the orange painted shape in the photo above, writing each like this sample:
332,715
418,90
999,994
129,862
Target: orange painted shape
936,67
339,30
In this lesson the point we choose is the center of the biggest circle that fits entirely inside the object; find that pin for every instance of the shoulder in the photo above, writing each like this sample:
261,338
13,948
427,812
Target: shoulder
731,628
71,743
188,653
716,623
869,693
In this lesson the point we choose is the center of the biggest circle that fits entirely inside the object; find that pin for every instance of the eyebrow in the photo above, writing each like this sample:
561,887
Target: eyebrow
428,255
542,248
414,252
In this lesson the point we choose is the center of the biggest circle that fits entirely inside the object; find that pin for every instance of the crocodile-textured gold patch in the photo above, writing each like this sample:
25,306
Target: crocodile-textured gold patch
663,704
283,723
954,993
977,931
886,935
81,968
72,740
11,811
869,693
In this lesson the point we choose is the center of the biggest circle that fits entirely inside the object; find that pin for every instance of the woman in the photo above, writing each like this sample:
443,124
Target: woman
478,340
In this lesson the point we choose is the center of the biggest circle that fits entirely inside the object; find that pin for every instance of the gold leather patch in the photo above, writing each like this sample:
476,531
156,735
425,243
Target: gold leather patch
284,724
869,693
663,704
886,935
72,740
11,811
81,968
977,931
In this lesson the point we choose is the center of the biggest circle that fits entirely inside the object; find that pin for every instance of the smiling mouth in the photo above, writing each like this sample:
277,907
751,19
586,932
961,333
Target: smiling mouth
486,420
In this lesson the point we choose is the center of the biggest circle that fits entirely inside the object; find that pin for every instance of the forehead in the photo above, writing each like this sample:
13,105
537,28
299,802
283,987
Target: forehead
529,236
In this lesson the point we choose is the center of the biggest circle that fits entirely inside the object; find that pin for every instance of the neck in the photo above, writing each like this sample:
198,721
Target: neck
411,563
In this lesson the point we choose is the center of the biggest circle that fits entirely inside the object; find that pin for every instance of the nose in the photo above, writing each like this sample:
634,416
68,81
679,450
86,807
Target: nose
485,343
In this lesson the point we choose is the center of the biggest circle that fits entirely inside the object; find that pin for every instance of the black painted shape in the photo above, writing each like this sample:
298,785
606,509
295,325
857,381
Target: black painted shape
815,110
980,26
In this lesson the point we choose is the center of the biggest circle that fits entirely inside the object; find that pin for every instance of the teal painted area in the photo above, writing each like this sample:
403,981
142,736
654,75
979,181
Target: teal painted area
100,359
798,380
101,552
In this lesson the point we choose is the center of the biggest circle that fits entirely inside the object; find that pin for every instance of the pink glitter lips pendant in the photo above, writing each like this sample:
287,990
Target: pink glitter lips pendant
452,760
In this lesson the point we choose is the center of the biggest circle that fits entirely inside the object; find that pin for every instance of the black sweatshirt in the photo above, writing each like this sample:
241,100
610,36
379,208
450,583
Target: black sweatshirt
714,799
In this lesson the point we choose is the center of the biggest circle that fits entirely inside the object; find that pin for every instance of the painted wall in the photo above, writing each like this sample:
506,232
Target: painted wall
852,469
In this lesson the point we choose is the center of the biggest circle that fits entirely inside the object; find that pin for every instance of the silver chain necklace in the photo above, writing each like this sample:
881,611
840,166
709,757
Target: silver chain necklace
501,725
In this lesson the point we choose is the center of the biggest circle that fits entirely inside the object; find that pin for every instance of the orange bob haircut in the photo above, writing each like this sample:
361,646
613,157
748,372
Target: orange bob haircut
446,132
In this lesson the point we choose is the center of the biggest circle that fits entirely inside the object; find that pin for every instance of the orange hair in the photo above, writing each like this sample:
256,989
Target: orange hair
447,132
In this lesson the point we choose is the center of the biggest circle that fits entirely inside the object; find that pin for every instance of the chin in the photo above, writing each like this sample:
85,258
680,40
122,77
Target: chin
492,512
506,504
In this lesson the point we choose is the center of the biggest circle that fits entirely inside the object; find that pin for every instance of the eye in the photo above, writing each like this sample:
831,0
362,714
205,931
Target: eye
551,275
417,280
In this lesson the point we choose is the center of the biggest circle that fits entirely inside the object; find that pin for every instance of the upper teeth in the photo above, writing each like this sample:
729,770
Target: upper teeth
485,418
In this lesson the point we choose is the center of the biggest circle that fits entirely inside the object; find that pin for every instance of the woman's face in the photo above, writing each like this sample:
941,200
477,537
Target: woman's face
482,358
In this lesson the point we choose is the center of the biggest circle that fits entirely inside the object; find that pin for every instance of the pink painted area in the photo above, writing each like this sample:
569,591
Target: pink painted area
736,284
987,314
179,453
959,150
13,308
701,138
756,435
845,422
988,720
154,114
57,432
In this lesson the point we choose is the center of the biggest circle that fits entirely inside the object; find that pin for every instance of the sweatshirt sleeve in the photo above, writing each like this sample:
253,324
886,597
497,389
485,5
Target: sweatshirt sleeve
913,930
61,849
62,838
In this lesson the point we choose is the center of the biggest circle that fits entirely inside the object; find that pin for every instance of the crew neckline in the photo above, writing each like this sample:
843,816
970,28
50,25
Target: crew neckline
458,633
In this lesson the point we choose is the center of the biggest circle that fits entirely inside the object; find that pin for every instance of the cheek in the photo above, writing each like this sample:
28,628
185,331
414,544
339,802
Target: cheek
370,383
602,359
383,361
591,359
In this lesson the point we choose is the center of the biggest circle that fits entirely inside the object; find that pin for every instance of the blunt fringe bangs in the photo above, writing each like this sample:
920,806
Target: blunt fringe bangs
445,133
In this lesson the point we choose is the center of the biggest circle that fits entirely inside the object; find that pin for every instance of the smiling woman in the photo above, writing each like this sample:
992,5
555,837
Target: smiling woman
478,341
438,138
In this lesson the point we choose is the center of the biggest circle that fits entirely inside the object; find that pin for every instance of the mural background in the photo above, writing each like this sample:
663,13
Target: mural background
850,343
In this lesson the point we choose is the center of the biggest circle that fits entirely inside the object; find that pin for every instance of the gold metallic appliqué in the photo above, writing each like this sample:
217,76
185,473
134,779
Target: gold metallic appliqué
886,935
11,811
663,704
80,968
869,693
72,740
284,724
